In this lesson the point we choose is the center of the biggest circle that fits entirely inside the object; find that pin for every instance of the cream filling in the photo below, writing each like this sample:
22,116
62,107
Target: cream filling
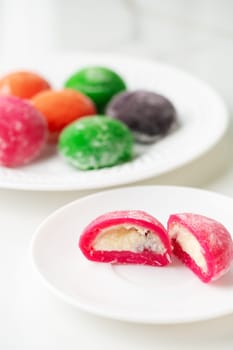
128,237
189,245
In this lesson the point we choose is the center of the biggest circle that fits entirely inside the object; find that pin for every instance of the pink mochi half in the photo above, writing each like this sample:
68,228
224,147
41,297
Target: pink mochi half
202,244
126,237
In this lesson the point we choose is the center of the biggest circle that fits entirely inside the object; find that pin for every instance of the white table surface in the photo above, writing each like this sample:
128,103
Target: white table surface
30,316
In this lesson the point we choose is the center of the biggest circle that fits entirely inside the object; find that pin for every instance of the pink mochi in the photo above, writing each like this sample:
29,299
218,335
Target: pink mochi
23,131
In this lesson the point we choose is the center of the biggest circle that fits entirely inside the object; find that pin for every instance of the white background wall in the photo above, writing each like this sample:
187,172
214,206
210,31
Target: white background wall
194,34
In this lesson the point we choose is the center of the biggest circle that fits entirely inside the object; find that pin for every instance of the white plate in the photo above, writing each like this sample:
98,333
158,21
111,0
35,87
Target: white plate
202,114
132,293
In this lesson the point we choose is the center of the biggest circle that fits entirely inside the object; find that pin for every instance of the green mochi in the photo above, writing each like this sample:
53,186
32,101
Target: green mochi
96,142
98,83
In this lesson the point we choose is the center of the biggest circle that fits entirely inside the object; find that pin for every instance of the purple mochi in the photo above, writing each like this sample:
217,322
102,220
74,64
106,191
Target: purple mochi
149,115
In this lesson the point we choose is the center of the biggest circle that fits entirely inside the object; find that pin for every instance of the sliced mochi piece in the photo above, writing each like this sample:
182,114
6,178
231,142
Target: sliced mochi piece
126,237
202,244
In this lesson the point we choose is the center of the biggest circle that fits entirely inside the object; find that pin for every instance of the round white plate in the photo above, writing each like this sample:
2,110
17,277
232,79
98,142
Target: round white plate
202,115
133,293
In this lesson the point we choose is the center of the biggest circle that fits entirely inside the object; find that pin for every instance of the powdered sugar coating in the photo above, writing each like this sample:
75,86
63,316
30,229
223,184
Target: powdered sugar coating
23,131
214,239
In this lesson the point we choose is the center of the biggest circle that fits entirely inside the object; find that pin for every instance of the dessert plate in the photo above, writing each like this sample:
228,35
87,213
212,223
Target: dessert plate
201,112
135,293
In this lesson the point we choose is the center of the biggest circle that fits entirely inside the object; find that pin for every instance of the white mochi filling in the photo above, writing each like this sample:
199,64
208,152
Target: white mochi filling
189,245
128,237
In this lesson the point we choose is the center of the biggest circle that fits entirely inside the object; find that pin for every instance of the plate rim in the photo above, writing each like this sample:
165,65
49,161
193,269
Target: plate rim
92,310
